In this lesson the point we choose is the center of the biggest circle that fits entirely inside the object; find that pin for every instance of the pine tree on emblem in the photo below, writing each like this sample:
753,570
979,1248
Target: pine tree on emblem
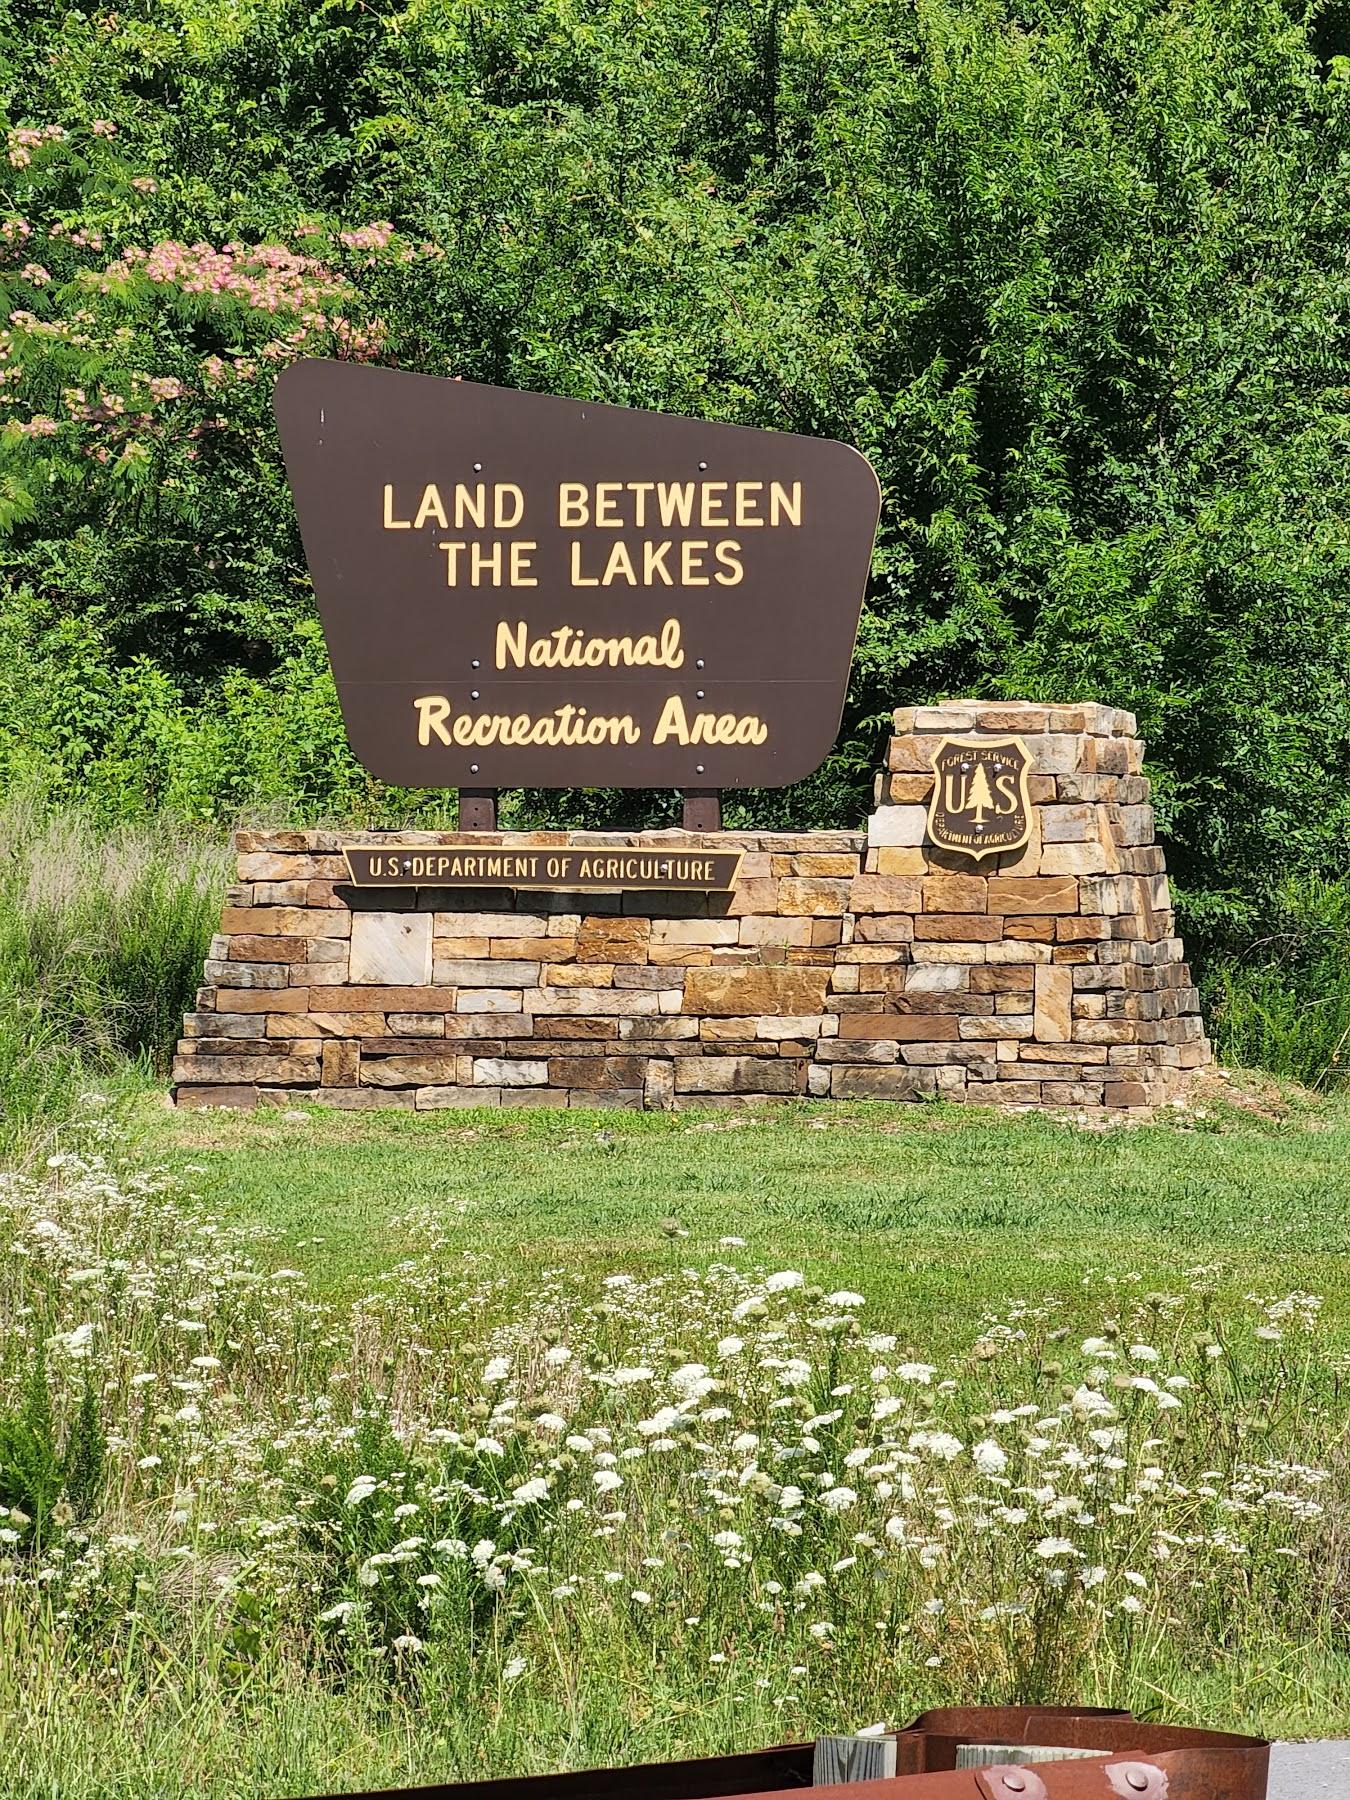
979,800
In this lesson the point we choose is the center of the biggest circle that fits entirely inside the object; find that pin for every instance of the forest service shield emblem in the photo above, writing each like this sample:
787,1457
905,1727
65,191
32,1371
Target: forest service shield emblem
981,802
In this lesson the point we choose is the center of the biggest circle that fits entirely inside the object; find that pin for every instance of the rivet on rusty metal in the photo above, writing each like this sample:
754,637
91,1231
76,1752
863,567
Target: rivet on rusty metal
1132,1779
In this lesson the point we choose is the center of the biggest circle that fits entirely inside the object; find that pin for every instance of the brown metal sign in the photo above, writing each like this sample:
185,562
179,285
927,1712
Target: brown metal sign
981,800
523,590
566,871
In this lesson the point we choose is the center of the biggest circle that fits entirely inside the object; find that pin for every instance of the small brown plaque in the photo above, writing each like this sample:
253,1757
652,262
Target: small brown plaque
981,802
566,871
520,590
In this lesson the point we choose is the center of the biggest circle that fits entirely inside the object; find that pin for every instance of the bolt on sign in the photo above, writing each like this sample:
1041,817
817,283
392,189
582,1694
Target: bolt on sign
523,590
981,800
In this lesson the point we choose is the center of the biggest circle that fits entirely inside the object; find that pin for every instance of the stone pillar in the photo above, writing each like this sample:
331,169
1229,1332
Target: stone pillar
1072,935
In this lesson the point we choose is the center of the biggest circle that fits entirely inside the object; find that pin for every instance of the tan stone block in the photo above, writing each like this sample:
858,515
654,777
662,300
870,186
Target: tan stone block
755,989
884,928
461,949
892,861
1125,1093
391,948
247,974
489,973
1076,859
262,1000
949,893
341,1063
591,975
441,1099
267,949
807,1028
813,897
621,930
951,953
898,1083
1007,978
899,1027
490,924
241,1095
218,1025
678,956
599,1002
726,1031
902,827
542,949
1012,952
279,1069
1072,824
1022,1000
506,1072
492,1000
597,1071
656,1031
844,978
1033,894
411,1071
912,753
367,1099
737,1075
658,1088
903,790
1054,1005
696,931
957,928
1030,929
1074,929
885,894
870,953
938,978
758,895
607,951
825,863
284,921
1004,1026
424,1025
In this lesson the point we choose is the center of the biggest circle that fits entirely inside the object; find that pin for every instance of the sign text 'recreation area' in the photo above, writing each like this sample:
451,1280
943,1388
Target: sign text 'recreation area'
518,589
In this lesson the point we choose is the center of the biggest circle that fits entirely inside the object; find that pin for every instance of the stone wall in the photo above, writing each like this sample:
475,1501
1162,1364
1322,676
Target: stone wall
842,965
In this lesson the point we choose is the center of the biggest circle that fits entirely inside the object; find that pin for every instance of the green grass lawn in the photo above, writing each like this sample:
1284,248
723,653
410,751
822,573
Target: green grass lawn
937,1213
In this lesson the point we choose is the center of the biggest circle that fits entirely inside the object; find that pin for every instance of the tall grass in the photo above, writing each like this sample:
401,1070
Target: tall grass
1284,1004
102,938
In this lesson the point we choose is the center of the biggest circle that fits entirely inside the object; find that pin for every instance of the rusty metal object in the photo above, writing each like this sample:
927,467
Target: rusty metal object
1128,1760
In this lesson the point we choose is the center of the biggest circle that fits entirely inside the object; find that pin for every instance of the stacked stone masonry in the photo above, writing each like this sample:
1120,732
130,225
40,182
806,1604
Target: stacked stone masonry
841,965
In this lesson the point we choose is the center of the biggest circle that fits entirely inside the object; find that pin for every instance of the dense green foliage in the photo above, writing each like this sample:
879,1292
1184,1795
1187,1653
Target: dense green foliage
1073,276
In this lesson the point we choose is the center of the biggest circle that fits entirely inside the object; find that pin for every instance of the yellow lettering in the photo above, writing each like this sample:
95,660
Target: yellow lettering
572,507
710,512
730,561
578,579
747,501
783,505
691,561
620,564
452,549
431,508
606,492
522,562
640,490
482,559
471,502
675,499
390,522
672,722
432,712
654,562
501,492
508,646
